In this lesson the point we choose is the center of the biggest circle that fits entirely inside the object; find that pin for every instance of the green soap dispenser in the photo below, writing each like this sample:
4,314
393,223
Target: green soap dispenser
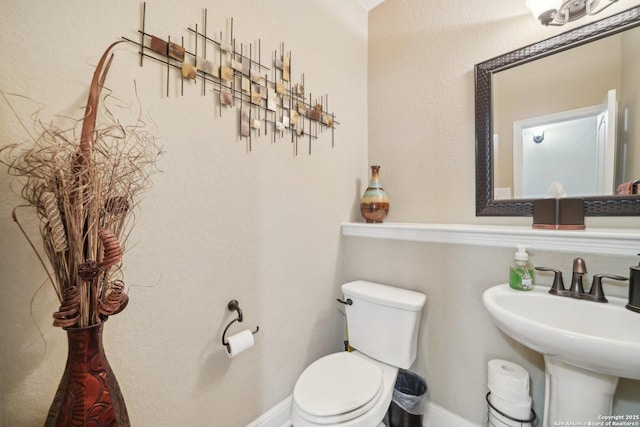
521,271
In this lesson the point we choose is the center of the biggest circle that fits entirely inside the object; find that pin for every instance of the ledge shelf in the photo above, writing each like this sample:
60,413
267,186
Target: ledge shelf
608,242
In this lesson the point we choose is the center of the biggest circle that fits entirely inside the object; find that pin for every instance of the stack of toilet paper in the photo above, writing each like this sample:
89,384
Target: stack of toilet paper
509,387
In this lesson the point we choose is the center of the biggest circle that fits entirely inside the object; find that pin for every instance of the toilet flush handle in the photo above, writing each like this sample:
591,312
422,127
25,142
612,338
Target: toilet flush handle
347,302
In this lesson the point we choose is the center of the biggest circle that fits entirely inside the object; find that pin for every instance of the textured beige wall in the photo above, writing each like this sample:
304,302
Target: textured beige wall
421,130
262,227
220,222
457,337
421,100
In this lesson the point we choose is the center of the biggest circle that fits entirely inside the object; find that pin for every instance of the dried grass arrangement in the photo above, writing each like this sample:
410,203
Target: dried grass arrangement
84,191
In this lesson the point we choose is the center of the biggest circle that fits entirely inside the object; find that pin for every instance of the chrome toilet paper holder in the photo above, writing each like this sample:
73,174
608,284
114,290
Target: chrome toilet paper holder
234,305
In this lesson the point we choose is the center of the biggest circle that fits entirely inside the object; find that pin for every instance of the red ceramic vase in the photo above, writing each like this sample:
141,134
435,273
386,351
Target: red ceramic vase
88,394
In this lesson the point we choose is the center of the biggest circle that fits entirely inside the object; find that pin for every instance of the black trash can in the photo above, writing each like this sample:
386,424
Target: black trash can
407,404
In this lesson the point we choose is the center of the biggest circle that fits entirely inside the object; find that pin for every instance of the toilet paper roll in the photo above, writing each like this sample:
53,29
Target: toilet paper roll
519,410
239,342
508,380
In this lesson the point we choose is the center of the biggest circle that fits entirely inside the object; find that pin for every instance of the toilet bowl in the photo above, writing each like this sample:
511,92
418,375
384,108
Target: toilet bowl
354,389
343,389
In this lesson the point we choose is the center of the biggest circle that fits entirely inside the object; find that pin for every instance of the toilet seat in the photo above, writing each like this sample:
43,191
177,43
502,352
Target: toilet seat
338,388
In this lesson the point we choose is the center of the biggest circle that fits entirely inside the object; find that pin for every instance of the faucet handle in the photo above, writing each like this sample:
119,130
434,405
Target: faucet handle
576,289
579,266
558,284
596,293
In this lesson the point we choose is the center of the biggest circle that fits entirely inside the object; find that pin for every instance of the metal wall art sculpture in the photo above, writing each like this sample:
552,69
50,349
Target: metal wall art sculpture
264,97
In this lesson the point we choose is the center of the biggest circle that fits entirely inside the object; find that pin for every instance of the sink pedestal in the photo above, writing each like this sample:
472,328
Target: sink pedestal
604,339
576,394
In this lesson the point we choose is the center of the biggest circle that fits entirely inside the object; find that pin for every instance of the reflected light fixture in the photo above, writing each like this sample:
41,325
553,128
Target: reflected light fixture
559,12
538,135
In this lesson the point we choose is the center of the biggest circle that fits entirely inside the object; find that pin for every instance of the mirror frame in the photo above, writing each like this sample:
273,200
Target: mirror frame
485,203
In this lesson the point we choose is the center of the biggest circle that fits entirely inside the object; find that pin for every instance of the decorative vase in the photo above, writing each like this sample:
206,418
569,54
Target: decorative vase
374,204
88,394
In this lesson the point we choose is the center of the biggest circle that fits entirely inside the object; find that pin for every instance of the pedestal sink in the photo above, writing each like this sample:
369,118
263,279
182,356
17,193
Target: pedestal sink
586,345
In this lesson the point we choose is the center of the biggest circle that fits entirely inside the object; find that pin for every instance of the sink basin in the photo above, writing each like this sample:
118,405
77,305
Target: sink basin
603,338
586,345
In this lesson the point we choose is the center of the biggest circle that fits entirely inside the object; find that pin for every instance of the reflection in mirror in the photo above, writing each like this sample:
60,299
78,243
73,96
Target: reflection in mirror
562,117
573,97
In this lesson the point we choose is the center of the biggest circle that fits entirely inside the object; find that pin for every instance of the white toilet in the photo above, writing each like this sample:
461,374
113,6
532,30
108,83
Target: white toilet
354,389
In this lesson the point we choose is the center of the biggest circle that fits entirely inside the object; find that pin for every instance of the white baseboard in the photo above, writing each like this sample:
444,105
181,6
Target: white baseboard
435,416
278,416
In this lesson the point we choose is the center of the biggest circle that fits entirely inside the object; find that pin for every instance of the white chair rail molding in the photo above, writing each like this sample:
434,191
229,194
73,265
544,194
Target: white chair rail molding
613,242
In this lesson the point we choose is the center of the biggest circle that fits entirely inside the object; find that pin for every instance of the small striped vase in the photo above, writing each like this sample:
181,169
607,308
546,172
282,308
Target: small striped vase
374,204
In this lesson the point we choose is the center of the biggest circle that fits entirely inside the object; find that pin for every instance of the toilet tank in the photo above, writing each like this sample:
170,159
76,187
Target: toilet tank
383,321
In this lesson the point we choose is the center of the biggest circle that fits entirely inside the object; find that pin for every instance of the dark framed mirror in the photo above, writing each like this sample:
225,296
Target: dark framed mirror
487,204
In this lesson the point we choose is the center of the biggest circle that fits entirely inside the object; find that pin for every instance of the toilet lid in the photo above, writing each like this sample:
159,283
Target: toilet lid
337,384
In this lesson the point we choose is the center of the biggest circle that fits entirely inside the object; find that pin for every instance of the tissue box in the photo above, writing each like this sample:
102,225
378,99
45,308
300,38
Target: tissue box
558,214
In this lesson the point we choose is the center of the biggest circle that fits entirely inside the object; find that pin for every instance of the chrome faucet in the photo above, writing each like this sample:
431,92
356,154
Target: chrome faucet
576,289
